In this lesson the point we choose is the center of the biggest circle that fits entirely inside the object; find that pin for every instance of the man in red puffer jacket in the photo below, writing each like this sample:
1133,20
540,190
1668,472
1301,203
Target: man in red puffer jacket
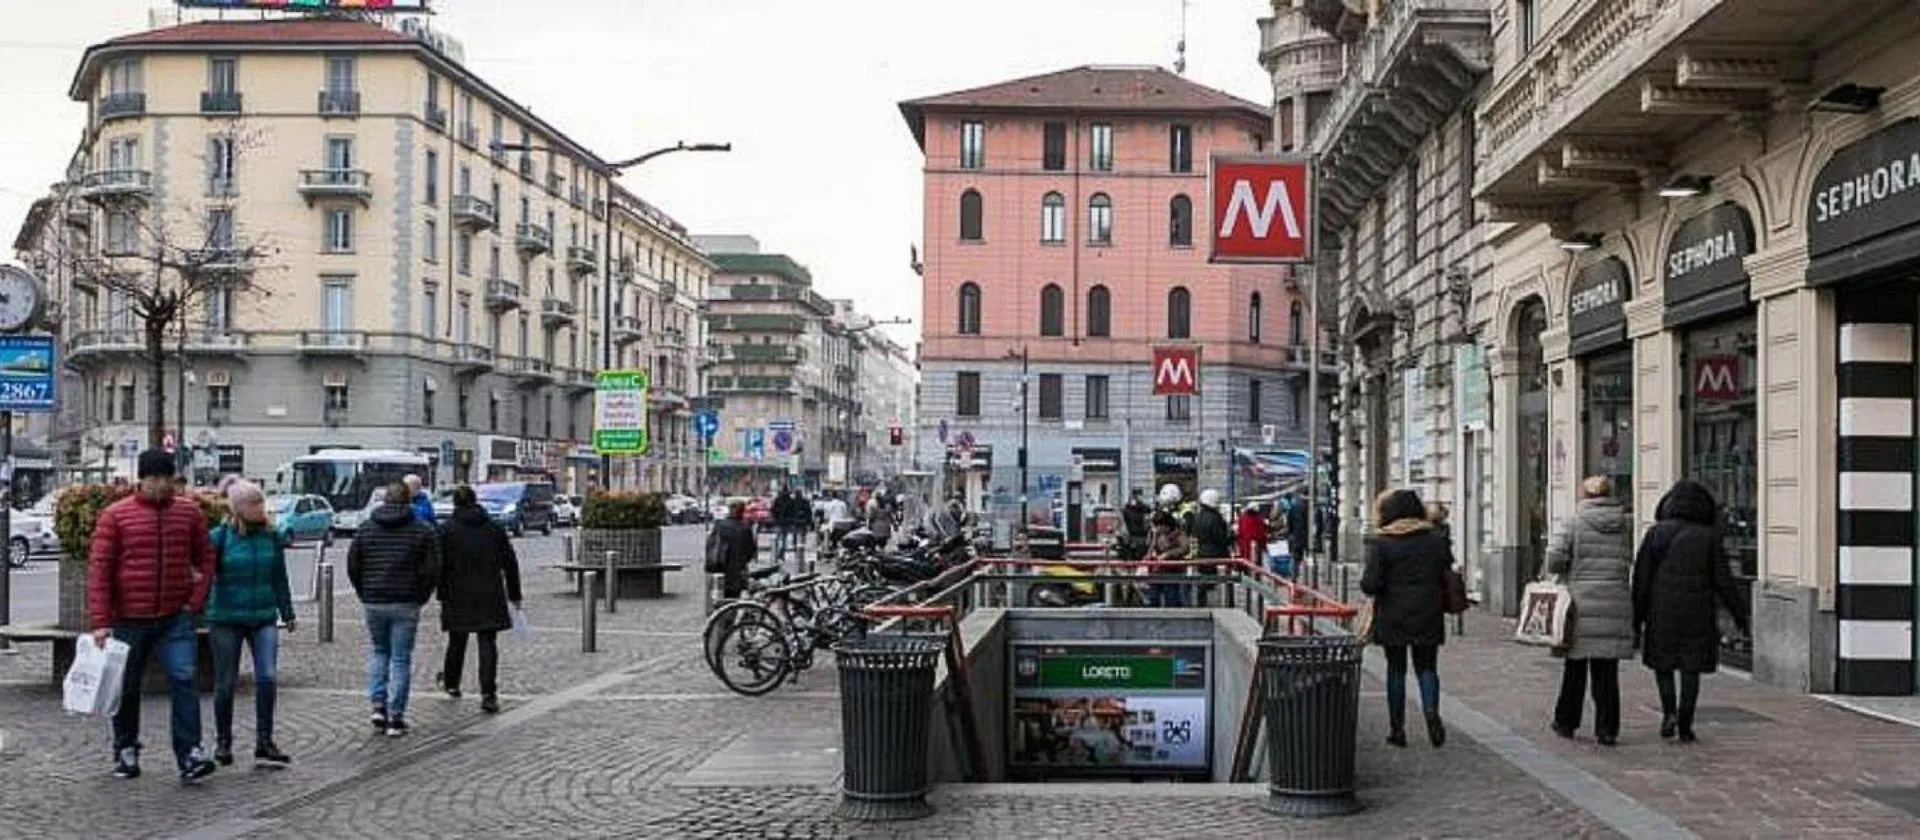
149,566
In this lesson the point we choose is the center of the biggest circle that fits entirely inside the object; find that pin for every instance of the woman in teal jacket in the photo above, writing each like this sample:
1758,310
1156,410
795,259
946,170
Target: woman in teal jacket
249,594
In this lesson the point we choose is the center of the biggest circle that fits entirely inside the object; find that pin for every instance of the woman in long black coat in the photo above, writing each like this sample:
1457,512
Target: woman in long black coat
1407,563
479,578
1678,575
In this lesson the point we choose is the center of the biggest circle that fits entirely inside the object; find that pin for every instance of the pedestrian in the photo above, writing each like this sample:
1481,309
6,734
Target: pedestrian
149,565
479,589
880,521
1678,576
732,543
422,503
1294,513
1405,574
1212,538
249,599
1593,552
1250,533
781,512
1134,521
394,565
1165,541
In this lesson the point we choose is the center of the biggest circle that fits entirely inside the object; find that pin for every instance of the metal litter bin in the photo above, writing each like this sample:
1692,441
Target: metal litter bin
886,703
1310,686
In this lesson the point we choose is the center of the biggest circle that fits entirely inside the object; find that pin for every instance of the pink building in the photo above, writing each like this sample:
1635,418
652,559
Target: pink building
1066,222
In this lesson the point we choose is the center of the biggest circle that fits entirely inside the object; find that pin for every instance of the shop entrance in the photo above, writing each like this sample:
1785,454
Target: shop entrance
1722,422
1531,428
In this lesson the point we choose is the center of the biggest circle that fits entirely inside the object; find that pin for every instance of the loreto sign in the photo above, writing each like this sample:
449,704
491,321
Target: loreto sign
1176,370
1262,209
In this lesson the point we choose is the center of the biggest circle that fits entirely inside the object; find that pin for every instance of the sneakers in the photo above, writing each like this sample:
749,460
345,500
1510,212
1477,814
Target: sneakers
223,752
452,691
490,704
1436,731
196,767
396,728
126,763
378,718
267,754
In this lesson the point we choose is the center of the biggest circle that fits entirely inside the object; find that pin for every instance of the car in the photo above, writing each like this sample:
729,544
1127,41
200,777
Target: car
443,506
565,514
31,536
683,509
302,516
519,506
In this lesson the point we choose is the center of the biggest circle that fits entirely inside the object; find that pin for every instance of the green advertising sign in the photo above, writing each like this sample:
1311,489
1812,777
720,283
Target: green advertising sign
1106,672
620,412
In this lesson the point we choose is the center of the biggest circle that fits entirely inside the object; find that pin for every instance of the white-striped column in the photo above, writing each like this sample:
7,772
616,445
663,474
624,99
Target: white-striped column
1875,600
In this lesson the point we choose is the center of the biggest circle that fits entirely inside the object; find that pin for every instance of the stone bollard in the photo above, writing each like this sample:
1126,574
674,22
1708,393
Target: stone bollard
324,582
589,620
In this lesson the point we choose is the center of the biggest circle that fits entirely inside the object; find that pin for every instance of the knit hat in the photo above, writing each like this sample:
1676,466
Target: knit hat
155,463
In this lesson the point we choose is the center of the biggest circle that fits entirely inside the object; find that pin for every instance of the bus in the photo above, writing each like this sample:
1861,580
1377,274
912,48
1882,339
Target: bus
347,478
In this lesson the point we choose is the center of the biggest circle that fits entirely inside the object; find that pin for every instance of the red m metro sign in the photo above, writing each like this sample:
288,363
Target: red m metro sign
1262,209
1176,370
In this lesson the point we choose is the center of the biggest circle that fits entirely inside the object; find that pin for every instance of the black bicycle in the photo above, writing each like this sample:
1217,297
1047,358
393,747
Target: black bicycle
757,642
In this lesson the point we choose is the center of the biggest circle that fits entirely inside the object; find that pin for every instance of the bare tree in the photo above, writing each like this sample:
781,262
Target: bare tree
177,268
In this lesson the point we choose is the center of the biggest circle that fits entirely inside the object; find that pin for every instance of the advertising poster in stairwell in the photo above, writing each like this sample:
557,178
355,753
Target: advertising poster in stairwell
1109,707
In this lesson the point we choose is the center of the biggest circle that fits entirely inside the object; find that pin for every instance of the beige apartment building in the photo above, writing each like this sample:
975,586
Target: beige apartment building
417,287
1704,218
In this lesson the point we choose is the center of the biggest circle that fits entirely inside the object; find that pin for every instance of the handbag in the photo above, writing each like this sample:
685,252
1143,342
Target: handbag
1546,614
1454,597
92,686
1363,622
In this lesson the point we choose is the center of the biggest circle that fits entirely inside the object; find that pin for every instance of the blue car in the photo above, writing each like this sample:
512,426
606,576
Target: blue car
302,517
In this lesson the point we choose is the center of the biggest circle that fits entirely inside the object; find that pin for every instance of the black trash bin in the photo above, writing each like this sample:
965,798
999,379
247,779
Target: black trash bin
1311,688
886,703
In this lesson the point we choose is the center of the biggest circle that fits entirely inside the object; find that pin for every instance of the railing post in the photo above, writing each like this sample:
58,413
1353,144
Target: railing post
589,620
610,581
1344,590
324,582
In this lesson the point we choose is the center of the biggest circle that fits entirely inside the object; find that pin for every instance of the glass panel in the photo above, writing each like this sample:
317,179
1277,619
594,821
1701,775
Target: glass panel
1606,393
339,74
339,153
336,312
1722,363
221,75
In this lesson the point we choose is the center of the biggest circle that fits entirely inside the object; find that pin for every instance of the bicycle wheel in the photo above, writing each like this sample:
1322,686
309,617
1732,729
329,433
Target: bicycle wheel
754,655
726,616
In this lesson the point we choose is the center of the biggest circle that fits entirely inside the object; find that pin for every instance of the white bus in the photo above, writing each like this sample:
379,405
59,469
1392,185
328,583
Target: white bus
347,478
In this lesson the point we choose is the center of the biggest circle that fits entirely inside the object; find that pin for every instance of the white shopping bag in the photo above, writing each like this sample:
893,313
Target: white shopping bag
93,683
520,630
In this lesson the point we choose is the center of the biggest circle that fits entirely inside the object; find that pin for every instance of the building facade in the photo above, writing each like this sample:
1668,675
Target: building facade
409,284
1382,97
1703,218
888,388
1065,233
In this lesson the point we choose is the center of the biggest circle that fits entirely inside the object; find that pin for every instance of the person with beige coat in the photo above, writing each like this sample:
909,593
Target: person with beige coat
1592,552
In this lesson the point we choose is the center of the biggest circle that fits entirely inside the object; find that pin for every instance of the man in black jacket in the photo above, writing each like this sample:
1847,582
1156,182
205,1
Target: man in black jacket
732,542
394,564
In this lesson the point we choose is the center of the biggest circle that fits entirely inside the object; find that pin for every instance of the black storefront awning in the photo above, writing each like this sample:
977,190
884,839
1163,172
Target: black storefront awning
1883,255
1863,213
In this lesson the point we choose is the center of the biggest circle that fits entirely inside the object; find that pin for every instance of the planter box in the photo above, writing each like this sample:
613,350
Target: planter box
631,547
73,596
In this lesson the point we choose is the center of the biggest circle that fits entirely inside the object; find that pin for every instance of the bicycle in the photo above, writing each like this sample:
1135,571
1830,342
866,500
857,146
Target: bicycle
756,643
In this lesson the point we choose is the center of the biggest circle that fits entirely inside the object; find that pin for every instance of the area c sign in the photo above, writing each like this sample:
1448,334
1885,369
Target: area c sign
1262,209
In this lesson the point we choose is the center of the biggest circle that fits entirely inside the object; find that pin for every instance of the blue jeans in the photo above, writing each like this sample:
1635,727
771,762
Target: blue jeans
780,535
173,638
1426,672
263,639
390,629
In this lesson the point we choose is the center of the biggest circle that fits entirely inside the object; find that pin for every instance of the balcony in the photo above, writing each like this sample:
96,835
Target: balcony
532,239
556,183
344,103
756,322
502,295
1613,85
582,260
623,269
666,397
356,184
1411,69
471,359
1297,362
556,312
106,185
770,354
117,105
670,339
626,330
98,345
599,208
1301,57
669,290
750,384
222,265
578,380
784,292
473,213
335,415
215,341
347,343
220,102
577,197
530,372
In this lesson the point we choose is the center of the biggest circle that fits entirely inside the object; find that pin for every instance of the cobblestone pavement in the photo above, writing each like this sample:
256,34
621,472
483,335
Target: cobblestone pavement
598,745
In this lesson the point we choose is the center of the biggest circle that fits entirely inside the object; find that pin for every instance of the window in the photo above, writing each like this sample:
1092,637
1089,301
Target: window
499,137
433,177
1179,408
220,311
1050,397
493,263
1101,158
426,403
466,118
1411,211
493,412
1179,313
969,309
1180,148
548,415
339,153
339,235
1253,318
1099,312
220,228
1299,399
339,74
526,416
433,95
123,153
336,304
1180,222
220,159
463,254
123,77
1053,309
123,233
337,398
1100,219
220,397
1294,325
429,312
973,144
1524,24
525,347
430,241
222,75
1097,406
1053,148
126,402
1053,218
1467,139
463,319
970,216
967,394
461,398
1253,400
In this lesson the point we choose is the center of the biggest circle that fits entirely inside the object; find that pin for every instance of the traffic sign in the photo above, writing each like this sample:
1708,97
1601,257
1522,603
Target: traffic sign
1176,370
756,444
26,373
620,412
715,455
782,441
1262,208
706,424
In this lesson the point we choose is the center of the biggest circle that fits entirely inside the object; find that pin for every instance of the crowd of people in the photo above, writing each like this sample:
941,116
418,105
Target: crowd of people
156,567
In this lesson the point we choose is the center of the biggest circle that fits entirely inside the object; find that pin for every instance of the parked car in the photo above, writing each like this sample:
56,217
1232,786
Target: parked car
302,516
519,506
565,514
683,509
31,536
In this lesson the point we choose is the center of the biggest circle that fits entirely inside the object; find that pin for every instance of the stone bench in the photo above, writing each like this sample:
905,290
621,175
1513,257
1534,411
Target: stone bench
66,642
646,580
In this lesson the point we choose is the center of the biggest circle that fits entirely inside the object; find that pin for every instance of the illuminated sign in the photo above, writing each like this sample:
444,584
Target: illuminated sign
309,5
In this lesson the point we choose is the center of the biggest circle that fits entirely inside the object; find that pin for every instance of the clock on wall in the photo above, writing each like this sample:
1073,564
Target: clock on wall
22,299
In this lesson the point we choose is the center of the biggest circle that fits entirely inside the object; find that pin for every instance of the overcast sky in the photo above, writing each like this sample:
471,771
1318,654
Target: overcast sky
823,167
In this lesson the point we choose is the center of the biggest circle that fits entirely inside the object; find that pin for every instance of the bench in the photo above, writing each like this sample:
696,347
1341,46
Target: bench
645,581
66,642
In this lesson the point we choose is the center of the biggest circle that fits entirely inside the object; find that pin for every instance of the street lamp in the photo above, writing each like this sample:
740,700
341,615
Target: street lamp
613,171
1025,359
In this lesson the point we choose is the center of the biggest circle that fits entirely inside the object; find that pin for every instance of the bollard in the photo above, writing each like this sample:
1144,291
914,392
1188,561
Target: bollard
1344,590
713,584
589,620
610,582
319,559
566,549
324,582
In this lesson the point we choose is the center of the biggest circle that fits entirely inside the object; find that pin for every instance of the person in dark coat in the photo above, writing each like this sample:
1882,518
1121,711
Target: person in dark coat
394,564
732,540
1678,575
1407,563
479,589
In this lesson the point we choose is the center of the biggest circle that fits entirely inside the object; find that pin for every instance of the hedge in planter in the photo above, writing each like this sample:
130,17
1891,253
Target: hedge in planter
74,514
627,524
